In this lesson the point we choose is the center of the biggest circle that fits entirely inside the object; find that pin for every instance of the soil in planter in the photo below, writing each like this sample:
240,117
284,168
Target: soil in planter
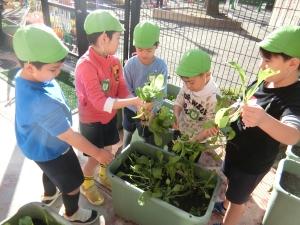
296,150
291,183
195,203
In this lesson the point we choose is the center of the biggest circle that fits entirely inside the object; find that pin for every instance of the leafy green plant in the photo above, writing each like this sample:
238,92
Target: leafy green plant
232,94
171,98
185,148
226,115
161,123
151,92
170,179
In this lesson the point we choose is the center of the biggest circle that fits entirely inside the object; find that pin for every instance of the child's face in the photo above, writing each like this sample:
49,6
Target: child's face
146,55
196,83
275,63
46,73
111,45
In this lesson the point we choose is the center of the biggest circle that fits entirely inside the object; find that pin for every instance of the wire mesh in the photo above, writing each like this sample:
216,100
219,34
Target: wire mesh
230,36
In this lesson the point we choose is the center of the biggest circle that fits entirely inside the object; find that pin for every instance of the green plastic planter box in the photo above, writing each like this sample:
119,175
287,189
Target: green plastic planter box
155,211
283,207
289,152
37,210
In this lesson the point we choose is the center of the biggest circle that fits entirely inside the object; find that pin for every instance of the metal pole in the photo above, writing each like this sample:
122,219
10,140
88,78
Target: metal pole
135,19
126,32
81,13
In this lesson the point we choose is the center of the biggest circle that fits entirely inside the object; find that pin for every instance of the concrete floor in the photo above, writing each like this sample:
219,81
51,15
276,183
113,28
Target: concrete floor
20,178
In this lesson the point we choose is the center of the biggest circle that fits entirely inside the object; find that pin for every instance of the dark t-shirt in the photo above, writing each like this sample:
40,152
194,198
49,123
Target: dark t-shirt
252,150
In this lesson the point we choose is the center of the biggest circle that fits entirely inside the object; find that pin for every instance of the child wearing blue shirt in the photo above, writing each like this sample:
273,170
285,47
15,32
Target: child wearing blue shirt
43,121
138,71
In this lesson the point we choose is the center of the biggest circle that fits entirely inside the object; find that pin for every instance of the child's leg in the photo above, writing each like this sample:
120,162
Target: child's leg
239,188
129,126
49,186
102,170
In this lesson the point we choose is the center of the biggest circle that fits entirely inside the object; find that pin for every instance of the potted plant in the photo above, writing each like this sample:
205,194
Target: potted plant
293,152
145,195
36,213
283,204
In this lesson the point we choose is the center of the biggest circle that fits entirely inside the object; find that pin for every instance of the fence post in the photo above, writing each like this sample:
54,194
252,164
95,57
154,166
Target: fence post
232,4
126,32
135,19
81,13
259,6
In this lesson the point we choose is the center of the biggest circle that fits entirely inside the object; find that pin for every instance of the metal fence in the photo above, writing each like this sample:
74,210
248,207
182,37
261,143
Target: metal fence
230,36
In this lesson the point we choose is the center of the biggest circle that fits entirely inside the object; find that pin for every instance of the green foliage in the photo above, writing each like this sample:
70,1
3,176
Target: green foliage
226,115
185,148
172,98
231,94
26,220
151,92
166,179
161,123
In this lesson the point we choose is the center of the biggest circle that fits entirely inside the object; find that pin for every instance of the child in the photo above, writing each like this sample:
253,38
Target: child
101,90
43,120
274,119
138,71
196,101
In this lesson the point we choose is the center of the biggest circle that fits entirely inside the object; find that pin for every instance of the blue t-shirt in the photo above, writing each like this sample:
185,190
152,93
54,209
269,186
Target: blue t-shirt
41,115
136,74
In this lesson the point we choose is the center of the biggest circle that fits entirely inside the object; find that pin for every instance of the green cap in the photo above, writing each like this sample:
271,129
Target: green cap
100,21
193,63
285,39
145,34
38,43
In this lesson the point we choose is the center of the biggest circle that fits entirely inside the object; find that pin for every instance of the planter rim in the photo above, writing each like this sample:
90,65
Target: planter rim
279,171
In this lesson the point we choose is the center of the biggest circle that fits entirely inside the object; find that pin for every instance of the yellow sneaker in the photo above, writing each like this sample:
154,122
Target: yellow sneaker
92,194
103,177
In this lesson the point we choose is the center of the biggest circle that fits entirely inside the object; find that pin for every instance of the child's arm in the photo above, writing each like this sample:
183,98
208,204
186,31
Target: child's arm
177,110
79,142
254,115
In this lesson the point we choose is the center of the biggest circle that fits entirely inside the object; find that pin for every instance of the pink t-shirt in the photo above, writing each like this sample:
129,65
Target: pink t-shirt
92,73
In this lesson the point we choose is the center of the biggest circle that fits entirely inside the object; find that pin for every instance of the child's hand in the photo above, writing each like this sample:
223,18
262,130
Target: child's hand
252,115
175,125
151,117
211,132
104,156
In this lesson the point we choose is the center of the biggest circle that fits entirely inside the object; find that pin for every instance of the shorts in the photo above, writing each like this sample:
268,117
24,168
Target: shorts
130,124
101,135
241,184
65,171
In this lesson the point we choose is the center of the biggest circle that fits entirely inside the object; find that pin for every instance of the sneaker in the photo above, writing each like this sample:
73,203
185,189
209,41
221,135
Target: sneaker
82,216
92,194
49,200
219,209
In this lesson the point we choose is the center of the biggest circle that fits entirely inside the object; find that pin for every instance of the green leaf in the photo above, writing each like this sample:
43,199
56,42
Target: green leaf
143,197
157,139
242,75
159,81
157,173
223,122
208,125
120,174
25,221
231,135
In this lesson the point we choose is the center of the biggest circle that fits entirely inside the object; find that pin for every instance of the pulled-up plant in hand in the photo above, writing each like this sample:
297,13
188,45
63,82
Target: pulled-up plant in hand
161,123
149,93
226,115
